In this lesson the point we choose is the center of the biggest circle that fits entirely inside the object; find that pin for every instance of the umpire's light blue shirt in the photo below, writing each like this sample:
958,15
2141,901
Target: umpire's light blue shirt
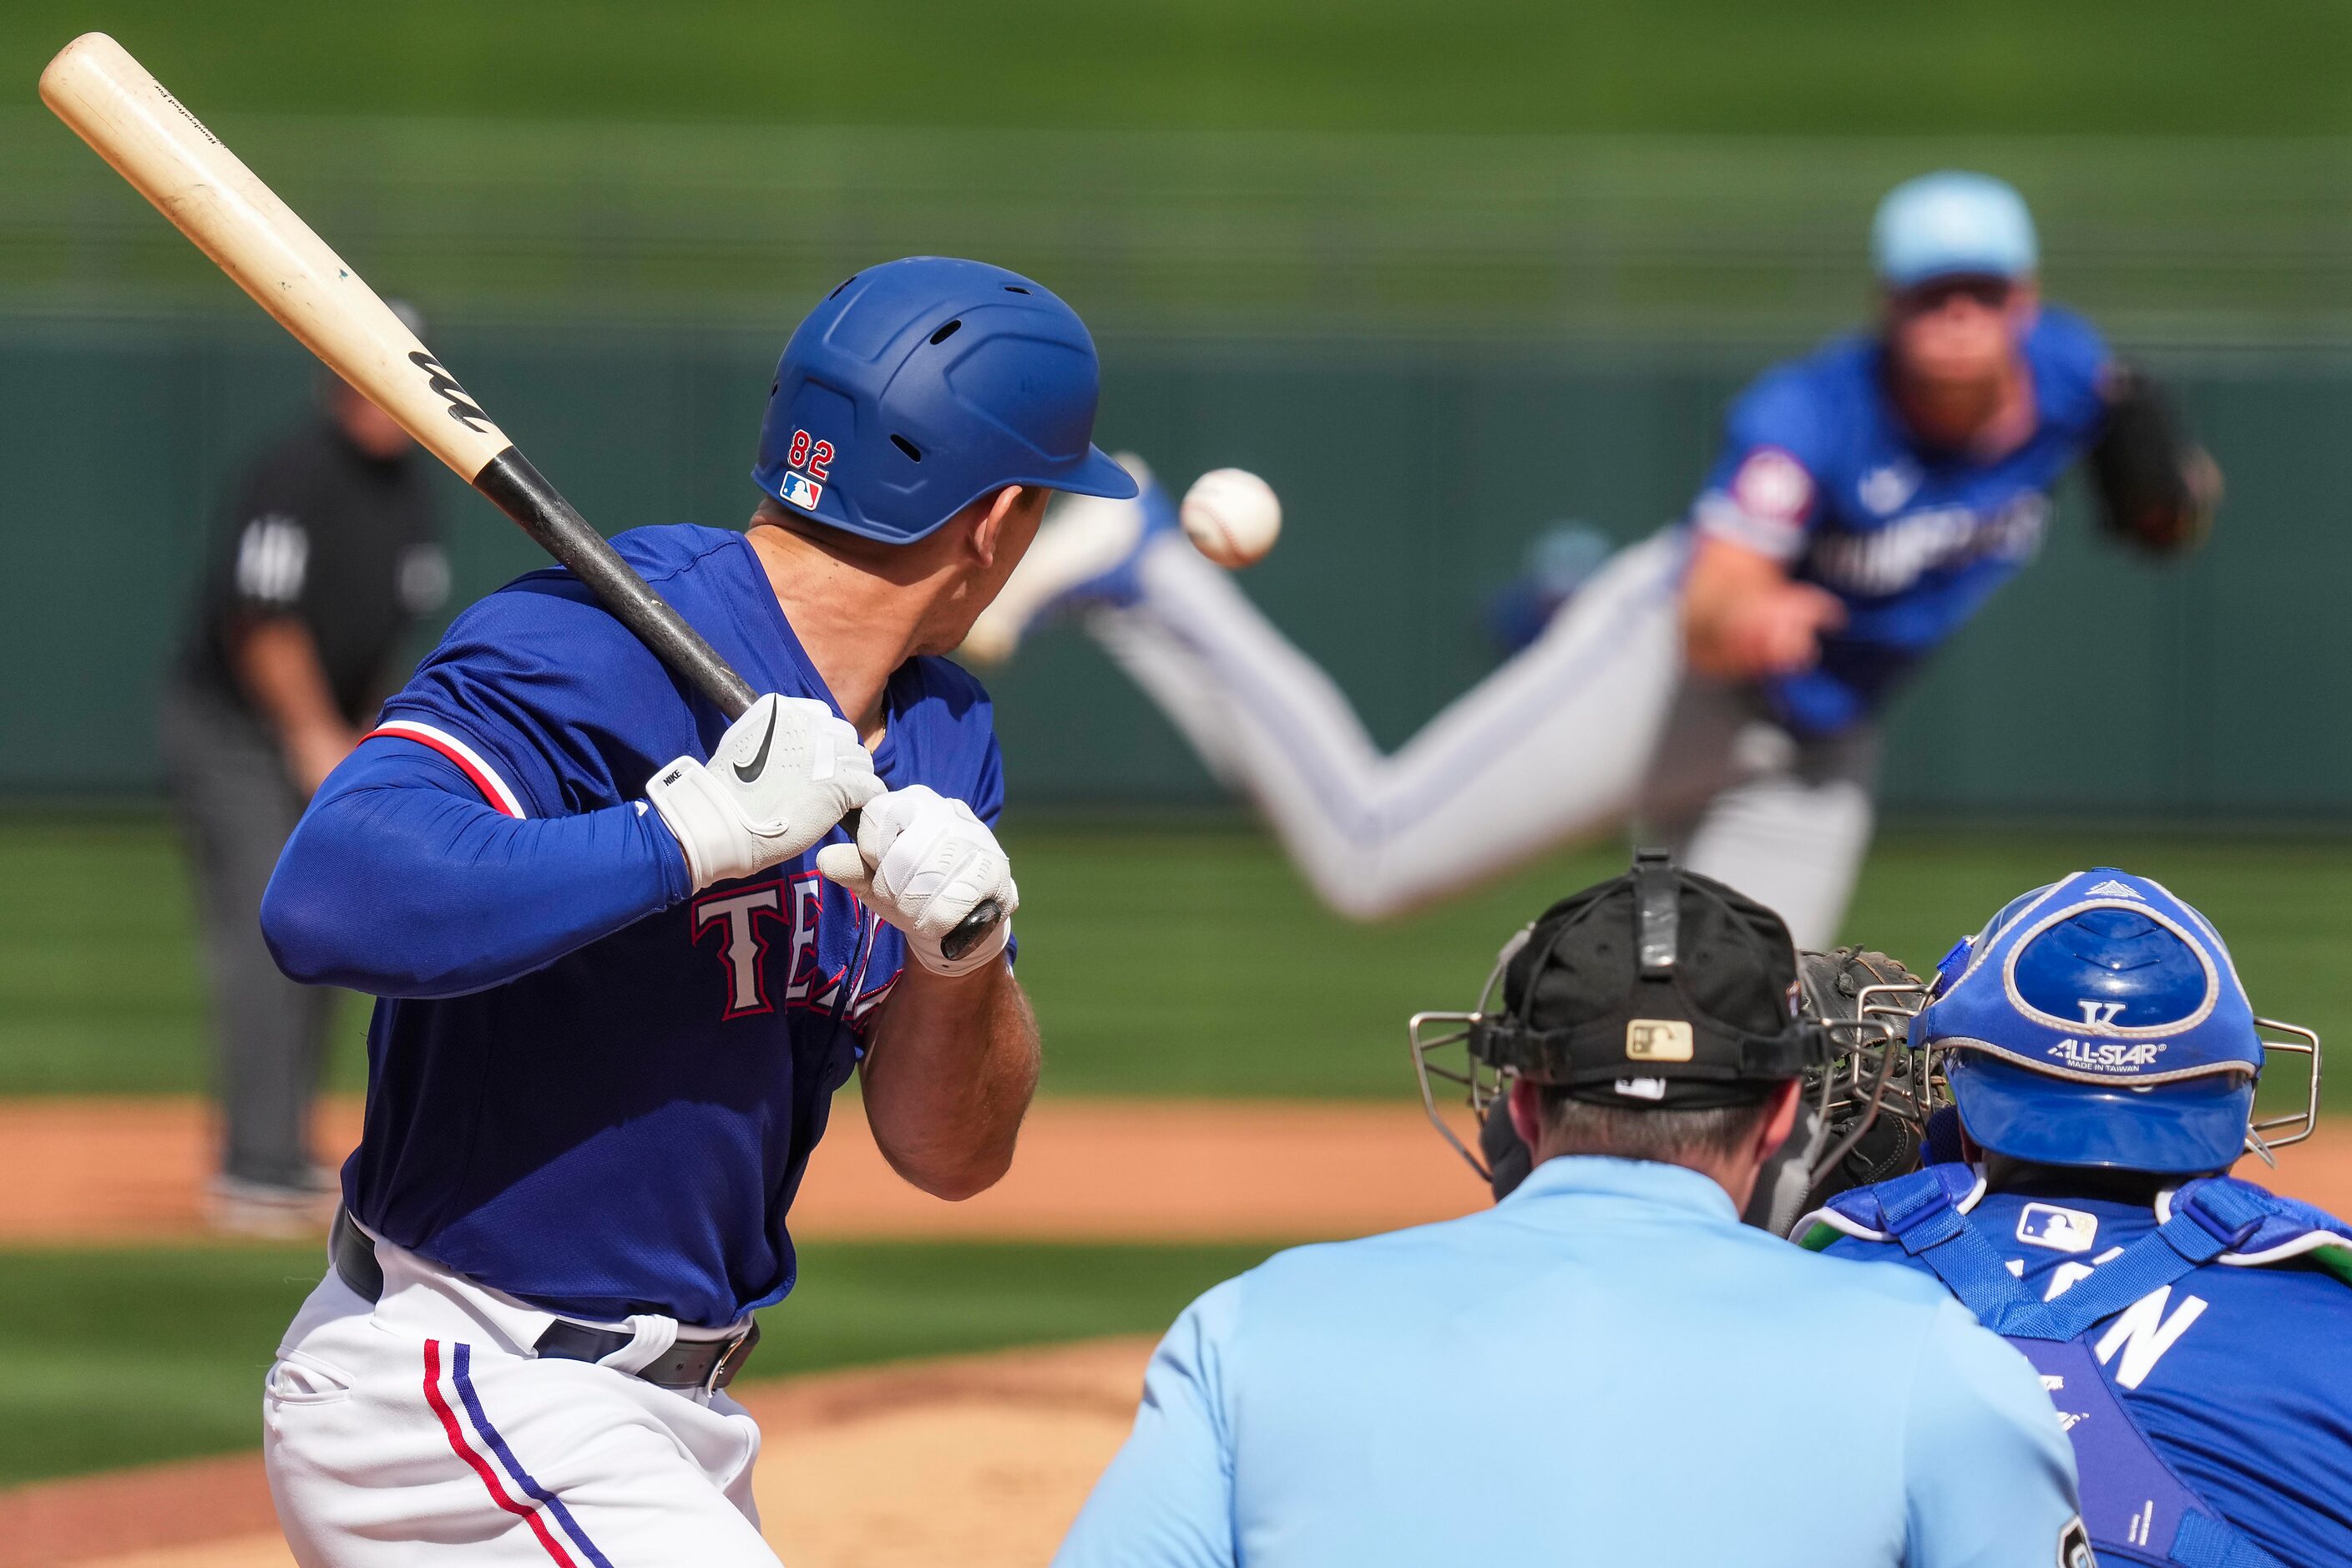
1605,1368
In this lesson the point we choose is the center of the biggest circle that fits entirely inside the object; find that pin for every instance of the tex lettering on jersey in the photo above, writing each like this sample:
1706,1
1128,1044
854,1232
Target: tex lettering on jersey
742,924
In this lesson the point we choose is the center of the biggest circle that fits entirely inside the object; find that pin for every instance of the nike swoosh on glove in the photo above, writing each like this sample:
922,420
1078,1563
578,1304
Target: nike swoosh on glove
782,777
923,862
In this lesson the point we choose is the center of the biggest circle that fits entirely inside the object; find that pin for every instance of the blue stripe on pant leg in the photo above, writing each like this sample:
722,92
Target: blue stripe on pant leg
461,1367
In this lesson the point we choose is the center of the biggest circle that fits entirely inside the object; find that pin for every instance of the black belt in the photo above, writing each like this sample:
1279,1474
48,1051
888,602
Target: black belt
704,1364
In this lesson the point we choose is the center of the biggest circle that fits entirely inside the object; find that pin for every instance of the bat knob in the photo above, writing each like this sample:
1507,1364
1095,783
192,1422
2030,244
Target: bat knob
972,928
969,930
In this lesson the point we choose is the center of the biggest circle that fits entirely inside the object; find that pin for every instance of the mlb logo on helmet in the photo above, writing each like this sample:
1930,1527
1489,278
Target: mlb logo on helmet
804,489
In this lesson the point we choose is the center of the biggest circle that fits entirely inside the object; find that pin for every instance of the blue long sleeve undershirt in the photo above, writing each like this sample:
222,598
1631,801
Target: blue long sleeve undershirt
400,881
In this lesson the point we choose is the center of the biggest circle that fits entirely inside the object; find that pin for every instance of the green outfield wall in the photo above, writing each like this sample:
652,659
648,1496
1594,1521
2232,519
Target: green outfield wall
1414,473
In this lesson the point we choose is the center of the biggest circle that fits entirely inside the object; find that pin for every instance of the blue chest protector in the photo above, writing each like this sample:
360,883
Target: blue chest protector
2135,1506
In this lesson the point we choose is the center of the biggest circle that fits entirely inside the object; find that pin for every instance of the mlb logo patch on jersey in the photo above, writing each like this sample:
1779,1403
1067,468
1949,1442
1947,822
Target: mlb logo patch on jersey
2059,1230
2114,889
802,492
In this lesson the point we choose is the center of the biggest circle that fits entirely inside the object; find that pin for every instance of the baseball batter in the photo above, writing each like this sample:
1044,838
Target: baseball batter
621,981
1724,681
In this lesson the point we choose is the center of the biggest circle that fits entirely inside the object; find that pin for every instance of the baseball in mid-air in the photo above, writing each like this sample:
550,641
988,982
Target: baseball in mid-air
1232,516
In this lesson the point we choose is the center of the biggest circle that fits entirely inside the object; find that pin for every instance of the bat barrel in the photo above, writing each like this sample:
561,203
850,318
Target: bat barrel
195,180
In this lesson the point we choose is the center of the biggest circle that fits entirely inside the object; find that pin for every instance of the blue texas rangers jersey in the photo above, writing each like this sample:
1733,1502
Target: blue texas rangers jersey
1817,471
617,1125
2234,1371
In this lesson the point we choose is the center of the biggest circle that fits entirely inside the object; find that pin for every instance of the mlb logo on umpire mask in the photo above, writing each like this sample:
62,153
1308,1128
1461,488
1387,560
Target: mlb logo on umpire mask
1658,1040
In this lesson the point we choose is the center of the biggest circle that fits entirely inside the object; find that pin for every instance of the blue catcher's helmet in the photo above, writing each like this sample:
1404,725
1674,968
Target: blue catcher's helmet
920,385
2099,1021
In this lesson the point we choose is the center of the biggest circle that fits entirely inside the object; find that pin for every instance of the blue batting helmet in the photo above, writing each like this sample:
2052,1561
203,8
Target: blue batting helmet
920,385
2099,1021
1952,224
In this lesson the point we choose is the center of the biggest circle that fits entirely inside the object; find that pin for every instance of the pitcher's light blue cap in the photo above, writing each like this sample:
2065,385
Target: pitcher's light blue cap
1952,225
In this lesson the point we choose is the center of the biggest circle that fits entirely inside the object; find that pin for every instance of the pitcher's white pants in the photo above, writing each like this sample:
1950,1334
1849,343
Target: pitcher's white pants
1594,725
419,1431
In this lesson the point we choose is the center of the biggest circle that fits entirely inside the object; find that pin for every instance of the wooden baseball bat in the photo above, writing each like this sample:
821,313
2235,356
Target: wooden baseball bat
193,180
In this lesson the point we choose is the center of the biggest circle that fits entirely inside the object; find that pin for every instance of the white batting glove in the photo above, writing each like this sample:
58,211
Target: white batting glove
923,862
782,777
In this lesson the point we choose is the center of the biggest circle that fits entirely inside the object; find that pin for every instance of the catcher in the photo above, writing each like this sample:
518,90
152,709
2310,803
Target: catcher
2102,1058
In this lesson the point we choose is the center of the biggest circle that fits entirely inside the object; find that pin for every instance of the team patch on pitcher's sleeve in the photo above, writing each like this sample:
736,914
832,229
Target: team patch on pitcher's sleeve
1765,506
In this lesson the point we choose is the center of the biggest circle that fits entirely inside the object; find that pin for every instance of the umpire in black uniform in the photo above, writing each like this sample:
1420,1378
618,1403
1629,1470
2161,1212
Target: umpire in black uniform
326,551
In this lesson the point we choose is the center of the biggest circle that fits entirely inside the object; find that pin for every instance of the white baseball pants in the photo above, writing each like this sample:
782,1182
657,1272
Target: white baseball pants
420,1430
1591,728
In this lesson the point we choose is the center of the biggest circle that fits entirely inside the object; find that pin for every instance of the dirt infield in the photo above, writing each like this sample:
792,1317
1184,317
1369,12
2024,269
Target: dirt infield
80,1172
980,1461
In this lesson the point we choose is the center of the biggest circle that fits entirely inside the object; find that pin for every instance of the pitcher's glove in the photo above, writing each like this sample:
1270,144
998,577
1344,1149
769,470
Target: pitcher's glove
2157,489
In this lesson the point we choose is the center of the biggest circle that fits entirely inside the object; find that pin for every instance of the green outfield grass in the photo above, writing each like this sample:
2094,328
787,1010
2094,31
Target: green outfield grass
1496,170
1164,962
2095,66
1491,169
145,1355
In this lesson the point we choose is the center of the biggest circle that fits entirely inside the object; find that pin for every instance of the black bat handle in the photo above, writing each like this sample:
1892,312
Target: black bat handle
522,492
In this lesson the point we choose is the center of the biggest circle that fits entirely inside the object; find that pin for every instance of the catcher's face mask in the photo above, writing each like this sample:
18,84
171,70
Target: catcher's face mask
1866,1115
1657,990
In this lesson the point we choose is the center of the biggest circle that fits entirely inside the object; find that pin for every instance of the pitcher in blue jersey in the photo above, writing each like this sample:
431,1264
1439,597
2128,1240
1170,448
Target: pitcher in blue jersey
1723,683
626,952
2190,1327
1607,1367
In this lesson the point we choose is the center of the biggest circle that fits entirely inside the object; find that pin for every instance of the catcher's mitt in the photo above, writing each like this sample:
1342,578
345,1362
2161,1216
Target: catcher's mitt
2157,489
1866,1000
